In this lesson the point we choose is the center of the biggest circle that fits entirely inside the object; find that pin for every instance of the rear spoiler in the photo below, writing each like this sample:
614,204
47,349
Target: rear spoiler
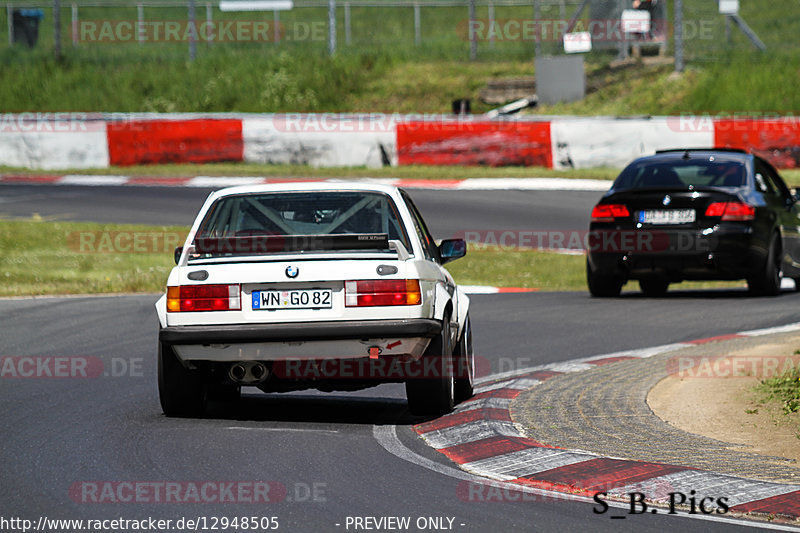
272,244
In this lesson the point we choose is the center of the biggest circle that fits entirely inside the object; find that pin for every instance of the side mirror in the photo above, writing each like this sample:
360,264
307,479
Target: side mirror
178,252
452,249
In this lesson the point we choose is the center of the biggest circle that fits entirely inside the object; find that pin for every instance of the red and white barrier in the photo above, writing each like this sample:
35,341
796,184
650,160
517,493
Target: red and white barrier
81,140
613,142
53,140
320,140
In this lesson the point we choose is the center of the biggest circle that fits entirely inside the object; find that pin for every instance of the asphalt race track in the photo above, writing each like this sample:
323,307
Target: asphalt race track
447,212
319,450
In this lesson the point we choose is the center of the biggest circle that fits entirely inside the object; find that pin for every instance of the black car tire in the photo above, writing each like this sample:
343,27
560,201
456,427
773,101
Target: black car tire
180,390
602,286
465,369
654,287
434,394
767,282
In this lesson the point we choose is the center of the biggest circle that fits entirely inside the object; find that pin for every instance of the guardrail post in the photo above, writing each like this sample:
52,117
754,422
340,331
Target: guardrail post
10,13
57,28
537,46
417,25
209,24
140,23
491,25
678,35
473,43
74,25
347,36
193,32
331,27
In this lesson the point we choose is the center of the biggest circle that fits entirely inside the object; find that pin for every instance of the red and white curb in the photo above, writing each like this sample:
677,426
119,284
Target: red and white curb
472,184
481,438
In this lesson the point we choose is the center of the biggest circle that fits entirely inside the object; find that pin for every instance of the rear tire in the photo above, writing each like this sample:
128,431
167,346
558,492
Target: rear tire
433,394
180,390
768,281
602,286
654,287
465,365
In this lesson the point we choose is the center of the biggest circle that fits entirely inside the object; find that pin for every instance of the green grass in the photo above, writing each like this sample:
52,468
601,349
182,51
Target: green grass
40,257
783,390
382,69
302,171
792,176
523,268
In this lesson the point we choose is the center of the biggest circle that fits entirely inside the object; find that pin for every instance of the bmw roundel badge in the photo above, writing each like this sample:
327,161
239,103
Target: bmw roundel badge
667,199
292,271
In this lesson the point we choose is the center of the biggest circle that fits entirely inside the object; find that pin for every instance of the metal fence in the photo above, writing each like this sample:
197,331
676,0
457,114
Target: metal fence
453,29
457,29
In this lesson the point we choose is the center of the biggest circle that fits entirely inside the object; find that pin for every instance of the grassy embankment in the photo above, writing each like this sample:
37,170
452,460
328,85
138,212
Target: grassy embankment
52,257
39,257
380,71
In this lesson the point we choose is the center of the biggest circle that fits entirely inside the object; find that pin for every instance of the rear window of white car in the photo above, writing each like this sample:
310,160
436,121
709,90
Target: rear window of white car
290,214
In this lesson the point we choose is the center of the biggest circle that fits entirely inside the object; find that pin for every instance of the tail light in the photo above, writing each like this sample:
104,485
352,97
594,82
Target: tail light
608,212
731,211
368,293
188,298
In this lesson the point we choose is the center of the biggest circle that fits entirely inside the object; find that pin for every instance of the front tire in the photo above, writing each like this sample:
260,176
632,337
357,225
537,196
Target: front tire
433,394
180,390
767,282
602,286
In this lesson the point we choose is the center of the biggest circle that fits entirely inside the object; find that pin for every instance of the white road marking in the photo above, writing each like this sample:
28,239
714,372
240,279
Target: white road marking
92,181
537,184
282,430
225,181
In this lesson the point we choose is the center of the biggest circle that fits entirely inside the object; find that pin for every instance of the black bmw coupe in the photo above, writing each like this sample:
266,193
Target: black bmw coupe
694,214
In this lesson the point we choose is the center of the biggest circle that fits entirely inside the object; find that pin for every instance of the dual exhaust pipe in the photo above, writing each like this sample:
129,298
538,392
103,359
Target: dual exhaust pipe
248,373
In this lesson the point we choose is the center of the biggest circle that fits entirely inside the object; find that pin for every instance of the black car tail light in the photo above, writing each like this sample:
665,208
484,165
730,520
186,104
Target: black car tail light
609,212
731,211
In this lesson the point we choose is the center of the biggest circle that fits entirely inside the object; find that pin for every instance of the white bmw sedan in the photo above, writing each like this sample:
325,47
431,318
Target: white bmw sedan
304,285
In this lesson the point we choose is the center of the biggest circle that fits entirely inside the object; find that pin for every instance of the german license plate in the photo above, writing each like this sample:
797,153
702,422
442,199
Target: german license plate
293,299
667,216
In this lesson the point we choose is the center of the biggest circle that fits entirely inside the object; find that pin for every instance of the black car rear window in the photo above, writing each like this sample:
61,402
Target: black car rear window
682,174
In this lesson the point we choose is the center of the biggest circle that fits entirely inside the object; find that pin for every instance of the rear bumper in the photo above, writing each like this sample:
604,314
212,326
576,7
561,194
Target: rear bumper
726,253
301,341
299,331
